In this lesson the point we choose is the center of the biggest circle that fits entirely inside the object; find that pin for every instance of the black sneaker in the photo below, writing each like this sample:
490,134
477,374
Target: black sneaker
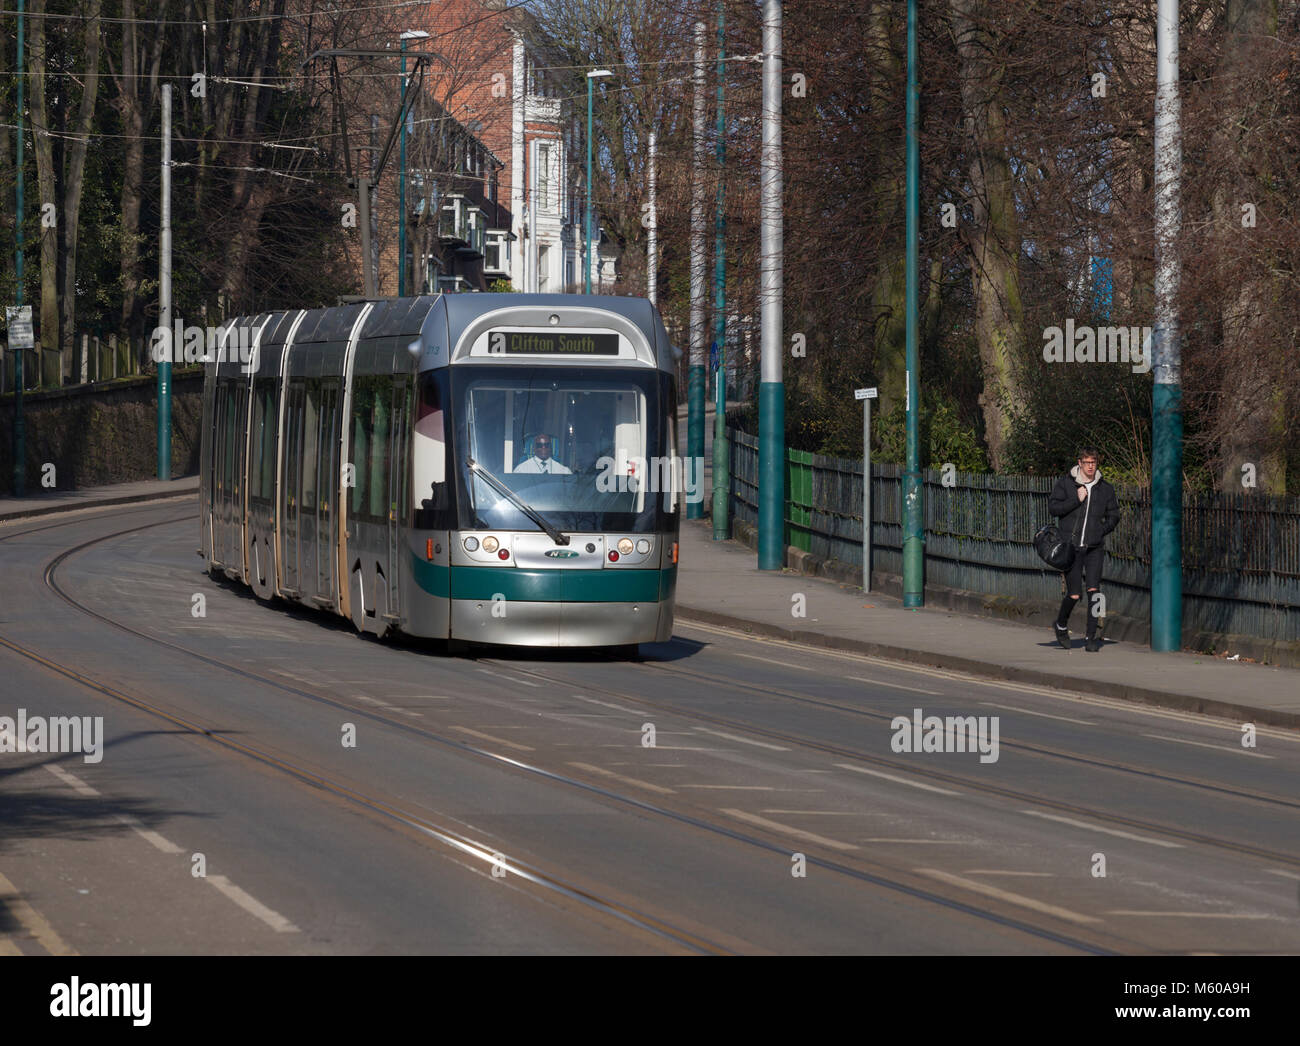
1092,645
1062,635
1095,644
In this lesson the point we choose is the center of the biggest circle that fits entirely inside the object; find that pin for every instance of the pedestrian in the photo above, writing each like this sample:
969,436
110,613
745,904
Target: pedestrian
1087,509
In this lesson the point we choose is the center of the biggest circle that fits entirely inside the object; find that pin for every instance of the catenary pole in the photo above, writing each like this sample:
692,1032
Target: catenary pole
1166,402
20,434
721,445
652,233
771,390
695,379
913,491
165,294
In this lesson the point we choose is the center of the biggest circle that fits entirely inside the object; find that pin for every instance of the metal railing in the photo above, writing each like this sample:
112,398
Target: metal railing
1241,553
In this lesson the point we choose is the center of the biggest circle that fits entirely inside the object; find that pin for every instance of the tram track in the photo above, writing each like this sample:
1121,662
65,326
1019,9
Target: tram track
928,773
861,871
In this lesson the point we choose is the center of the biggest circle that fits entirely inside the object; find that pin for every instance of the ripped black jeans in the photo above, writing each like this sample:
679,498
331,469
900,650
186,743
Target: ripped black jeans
1084,573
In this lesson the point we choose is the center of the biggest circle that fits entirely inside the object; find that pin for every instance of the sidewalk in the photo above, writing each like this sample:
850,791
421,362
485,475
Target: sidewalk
720,583
43,502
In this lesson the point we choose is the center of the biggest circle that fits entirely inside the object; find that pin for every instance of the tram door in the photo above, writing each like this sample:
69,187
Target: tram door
400,438
327,484
291,490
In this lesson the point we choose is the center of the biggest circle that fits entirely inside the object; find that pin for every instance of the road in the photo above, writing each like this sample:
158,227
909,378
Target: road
722,794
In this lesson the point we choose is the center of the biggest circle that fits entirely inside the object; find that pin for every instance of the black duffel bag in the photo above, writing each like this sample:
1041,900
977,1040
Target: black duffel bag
1053,547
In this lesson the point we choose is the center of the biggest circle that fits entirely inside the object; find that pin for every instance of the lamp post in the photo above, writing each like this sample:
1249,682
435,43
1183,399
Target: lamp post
410,34
591,76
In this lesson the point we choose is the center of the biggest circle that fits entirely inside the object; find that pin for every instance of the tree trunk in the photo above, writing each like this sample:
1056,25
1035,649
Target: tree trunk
994,241
74,177
43,147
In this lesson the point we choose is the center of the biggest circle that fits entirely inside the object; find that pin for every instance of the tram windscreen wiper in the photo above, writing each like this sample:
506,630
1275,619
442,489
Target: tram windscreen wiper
557,536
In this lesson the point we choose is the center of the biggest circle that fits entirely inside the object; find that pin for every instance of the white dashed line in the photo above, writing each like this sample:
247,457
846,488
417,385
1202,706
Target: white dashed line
1043,715
509,679
606,704
785,829
741,740
75,783
1284,875
1107,831
252,905
1186,915
1006,895
896,779
619,777
1204,744
896,686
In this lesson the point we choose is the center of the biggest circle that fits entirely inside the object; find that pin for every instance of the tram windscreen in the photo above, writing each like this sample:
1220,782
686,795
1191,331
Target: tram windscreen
587,450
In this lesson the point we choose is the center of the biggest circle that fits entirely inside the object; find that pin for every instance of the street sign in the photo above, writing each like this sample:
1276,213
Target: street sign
20,327
864,394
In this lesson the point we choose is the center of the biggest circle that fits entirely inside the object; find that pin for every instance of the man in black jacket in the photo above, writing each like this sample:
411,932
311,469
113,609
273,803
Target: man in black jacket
1088,511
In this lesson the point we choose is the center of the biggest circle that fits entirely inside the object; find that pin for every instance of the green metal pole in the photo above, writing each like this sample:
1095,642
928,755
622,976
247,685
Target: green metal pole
913,491
721,445
1167,393
696,374
401,187
20,433
586,254
771,391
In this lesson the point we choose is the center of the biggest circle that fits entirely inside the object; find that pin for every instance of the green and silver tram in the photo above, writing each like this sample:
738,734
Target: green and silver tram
492,468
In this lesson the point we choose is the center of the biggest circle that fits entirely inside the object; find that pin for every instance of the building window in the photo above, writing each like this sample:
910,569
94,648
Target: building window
544,175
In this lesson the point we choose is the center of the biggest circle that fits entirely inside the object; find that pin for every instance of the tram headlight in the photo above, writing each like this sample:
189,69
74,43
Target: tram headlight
471,544
625,546
490,544
643,546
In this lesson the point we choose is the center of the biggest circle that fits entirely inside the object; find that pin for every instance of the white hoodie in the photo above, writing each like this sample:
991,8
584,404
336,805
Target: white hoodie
1078,478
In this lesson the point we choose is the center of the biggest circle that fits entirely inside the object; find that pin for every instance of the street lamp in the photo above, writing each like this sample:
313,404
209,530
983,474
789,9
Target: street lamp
410,34
591,76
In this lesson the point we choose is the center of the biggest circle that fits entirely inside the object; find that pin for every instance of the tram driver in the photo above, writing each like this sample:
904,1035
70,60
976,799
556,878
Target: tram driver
540,460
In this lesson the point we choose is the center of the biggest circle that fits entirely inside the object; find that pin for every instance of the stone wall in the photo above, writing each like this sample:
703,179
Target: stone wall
103,433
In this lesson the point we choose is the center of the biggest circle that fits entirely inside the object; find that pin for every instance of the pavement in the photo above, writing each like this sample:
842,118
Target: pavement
720,584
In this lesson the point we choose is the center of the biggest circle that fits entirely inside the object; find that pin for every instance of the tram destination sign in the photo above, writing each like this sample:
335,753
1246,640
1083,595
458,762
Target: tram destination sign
552,343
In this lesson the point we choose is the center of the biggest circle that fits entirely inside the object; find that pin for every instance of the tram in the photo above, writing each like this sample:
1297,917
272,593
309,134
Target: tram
487,468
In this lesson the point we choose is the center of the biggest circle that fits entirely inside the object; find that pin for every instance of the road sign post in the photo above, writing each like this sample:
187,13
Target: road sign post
19,321
866,396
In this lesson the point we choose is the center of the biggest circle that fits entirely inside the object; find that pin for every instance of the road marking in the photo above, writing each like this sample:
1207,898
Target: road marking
7,947
252,905
1044,715
785,829
153,838
739,788
896,779
924,842
620,777
817,813
1007,895
1204,744
1284,875
742,740
75,783
1188,915
606,704
1007,871
1108,831
771,661
896,686
32,920
511,679
490,737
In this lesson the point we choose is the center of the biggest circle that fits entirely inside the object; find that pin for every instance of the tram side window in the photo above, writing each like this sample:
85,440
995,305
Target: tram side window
430,490
228,460
379,454
261,470
310,431
363,406
293,446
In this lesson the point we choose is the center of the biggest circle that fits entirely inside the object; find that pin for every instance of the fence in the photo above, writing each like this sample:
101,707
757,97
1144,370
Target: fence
1241,553
91,359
